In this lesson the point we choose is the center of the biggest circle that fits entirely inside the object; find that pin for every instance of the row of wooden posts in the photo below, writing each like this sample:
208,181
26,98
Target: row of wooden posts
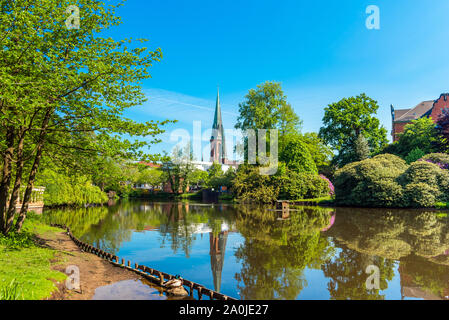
153,275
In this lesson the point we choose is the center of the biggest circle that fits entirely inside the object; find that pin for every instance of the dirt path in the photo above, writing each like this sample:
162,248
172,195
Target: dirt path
94,271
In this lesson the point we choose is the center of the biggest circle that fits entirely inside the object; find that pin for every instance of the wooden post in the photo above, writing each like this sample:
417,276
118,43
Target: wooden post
161,279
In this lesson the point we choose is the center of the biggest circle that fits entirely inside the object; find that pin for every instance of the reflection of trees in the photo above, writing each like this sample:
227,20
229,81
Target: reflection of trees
108,228
79,219
372,236
276,252
347,275
417,272
392,234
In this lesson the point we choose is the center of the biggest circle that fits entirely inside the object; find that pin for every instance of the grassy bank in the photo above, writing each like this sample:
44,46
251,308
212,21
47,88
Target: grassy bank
25,264
316,201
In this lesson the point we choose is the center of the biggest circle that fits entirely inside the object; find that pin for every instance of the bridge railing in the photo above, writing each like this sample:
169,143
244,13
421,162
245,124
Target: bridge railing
36,199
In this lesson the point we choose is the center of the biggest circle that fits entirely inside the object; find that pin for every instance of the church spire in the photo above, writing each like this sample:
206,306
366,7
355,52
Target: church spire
217,118
217,141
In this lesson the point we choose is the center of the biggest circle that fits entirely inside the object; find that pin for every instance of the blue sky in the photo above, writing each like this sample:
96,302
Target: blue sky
320,51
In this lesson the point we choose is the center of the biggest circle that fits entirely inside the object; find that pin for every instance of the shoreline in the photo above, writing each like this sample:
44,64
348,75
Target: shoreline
94,272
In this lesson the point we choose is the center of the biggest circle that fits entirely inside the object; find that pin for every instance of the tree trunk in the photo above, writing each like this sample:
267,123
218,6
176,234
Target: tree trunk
34,169
18,182
6,178
29,188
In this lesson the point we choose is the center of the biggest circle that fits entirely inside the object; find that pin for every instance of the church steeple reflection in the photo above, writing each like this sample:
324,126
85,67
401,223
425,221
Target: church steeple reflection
217,254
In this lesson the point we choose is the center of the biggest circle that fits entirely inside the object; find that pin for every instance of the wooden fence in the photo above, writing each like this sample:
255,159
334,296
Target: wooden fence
153,275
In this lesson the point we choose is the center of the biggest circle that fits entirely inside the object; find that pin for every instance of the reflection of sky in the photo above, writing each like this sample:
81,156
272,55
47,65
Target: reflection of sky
145,248
153,247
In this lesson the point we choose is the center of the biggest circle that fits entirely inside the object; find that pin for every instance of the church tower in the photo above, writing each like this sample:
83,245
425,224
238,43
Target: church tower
217,141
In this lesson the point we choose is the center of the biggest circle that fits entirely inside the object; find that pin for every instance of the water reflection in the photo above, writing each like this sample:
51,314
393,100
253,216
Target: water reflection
415,241
256,253
276,252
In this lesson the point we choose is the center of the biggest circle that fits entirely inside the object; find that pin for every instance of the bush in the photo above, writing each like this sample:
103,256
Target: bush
61,190
250,186
414,155
369,182
425,172
387,181
440,159
421,195
298,186
16,240
378,193
330,185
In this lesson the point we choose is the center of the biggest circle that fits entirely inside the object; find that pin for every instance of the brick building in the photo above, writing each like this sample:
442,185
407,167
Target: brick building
430,108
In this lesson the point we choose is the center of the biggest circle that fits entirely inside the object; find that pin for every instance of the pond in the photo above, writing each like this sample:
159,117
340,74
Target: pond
254,253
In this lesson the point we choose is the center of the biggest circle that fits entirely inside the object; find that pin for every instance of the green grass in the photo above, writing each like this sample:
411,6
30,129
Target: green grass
442,205
25,267
327,199
191,196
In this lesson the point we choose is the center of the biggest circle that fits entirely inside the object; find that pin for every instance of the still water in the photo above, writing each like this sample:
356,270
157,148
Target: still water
255,253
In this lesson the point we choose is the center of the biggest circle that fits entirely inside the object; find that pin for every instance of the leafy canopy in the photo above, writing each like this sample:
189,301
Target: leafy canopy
345,120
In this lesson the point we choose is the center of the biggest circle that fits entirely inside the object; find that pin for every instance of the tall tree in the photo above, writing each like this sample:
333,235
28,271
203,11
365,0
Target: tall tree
361,148
267,108
321,153
178,168
345,120
64,90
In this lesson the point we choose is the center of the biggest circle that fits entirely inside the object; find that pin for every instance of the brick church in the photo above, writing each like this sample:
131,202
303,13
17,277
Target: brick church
217,140
430,108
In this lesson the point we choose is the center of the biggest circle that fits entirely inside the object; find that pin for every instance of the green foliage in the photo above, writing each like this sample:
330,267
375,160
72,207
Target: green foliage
297,157
302,185
150,176
26,267
321,153
441,159
16,240
65,91
215,170
414,155
421,195
442,132
267,108
63,190
387,181
10,291
420,133
178,169
345,120
250,186
361,148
